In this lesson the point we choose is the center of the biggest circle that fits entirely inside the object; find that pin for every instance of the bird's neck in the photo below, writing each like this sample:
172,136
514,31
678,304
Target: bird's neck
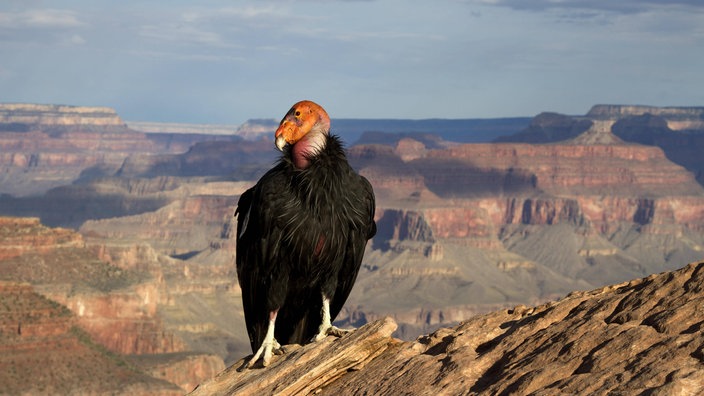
308,148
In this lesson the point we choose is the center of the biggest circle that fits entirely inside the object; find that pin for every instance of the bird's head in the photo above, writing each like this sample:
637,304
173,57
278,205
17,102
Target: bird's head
305,121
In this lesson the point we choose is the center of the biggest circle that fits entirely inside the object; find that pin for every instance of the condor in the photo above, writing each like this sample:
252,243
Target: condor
301,234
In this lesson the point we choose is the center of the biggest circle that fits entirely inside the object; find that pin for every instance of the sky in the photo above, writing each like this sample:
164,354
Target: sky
223,62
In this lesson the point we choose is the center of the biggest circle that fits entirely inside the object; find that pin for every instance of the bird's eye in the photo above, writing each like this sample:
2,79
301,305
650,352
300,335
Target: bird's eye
297,113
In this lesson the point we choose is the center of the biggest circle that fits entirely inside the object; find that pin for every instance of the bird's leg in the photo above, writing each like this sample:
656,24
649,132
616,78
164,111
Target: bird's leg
326,328
268,345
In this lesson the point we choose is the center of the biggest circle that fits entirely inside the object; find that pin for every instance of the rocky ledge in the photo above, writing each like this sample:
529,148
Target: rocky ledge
639,337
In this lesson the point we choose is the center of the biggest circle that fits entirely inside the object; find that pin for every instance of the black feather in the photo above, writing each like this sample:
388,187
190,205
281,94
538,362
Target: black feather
301,233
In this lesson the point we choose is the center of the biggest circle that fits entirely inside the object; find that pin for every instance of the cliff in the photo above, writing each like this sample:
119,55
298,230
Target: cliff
557,169
678,131
204,159
114,308
637,337
44,351
46,146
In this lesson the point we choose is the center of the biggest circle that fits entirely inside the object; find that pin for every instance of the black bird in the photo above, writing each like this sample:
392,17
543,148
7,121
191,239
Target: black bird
301,234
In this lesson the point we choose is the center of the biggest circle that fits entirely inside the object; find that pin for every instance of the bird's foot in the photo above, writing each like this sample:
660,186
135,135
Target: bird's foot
266,350
330,330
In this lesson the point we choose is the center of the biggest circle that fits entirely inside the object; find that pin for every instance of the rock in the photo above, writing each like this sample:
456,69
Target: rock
549,127
304,370
76,299
678,118
642,336
43,351
613,169
678,131
46,146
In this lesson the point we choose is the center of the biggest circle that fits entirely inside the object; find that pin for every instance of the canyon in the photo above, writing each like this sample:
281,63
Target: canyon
463,229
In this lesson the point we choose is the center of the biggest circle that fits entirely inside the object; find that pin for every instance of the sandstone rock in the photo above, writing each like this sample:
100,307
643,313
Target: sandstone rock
676,130
304,370
110,308
43,351
642,336
558,169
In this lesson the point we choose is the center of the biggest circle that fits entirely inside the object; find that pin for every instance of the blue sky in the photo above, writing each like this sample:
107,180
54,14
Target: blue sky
227,61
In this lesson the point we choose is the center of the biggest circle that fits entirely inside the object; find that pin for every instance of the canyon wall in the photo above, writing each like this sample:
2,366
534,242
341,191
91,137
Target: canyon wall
678,131
43,350
115,309
46,146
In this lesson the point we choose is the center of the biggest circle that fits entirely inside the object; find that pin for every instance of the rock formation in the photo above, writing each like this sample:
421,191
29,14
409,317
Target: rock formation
45,146
639,337
44,351
678,118
90,301
678,131
50,116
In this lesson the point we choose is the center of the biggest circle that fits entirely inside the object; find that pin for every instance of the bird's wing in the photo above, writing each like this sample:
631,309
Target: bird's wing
258,242
248,265
363,230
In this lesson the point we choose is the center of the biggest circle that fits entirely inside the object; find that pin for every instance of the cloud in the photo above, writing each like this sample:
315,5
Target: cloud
40,19
42,26
616,6
221,27
181,33
386,35
74,39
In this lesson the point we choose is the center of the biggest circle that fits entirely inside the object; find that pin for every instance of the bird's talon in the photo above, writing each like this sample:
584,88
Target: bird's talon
265,351
338,332
333,331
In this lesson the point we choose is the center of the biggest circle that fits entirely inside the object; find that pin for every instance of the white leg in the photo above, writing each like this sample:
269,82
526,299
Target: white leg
326,328
268,345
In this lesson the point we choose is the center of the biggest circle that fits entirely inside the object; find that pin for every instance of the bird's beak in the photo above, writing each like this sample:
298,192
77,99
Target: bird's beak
280,143
287,133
